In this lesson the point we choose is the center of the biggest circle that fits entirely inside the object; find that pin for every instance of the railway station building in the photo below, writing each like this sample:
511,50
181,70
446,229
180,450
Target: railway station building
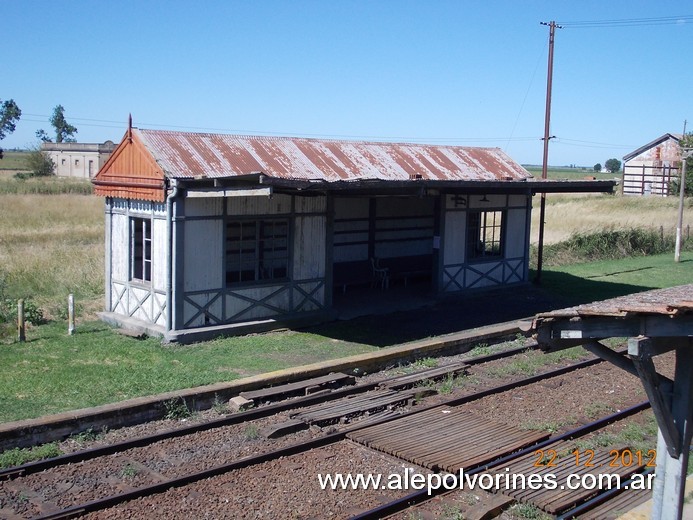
210,234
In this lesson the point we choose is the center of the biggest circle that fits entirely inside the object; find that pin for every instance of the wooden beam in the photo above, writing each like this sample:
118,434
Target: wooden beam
604,352
221,192
660,397
559,333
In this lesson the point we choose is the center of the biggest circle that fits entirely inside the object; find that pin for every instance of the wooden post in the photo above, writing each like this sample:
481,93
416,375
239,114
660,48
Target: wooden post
21,325
70,314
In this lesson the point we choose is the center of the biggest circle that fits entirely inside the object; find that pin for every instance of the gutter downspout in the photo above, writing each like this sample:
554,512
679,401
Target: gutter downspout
169,256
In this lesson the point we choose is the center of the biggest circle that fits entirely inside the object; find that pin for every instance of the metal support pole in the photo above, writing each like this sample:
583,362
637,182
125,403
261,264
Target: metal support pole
671,471
673,411
679,224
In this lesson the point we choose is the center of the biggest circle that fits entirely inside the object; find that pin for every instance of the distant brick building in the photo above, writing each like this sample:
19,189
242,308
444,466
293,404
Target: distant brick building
81,160
650,169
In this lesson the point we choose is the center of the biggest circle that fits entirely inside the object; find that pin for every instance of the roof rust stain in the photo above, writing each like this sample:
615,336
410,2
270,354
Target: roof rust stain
673,301
194,155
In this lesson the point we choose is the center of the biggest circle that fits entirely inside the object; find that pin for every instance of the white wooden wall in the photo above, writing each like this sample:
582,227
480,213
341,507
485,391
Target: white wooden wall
460,273
145,301
207,300
351,225
392,237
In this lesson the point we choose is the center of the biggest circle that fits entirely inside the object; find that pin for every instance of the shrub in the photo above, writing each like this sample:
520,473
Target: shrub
607,245
675,183
39,164
32,313
176,408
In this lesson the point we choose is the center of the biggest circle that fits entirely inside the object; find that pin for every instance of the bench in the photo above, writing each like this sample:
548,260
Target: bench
408,267
360,272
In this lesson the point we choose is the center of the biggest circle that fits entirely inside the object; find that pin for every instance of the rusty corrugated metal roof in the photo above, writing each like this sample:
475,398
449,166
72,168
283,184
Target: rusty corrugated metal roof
184,155
671,302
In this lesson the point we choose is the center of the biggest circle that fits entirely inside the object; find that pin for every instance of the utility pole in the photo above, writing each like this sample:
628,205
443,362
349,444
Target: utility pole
544,165
685,154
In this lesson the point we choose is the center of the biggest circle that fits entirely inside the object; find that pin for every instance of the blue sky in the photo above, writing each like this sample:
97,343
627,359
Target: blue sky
435,71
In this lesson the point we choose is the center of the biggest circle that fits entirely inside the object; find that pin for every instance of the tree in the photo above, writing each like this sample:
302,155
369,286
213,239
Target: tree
686,143
598,167
613,165
39,163
42,136
64,131
9,115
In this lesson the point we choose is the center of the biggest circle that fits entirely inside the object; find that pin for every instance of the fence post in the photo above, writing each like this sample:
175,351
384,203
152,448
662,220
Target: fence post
21,325
70,314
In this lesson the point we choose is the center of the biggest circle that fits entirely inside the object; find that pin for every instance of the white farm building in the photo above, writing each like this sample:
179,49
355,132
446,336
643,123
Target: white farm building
80,160
650,169
212,234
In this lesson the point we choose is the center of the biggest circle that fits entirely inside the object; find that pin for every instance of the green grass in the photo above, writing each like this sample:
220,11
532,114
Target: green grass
530,364
14,160
612,244
18,456
528,512
605,279
638,436
53,372
579,173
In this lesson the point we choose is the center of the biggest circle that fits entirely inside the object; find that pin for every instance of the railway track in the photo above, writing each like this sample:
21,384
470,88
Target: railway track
260,412
158,480
568,503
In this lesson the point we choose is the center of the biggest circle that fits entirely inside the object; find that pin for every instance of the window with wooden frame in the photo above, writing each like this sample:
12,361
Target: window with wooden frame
257,250
141,249
485,234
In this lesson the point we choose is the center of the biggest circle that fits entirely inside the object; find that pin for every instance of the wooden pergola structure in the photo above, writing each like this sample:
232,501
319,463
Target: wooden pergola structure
655,322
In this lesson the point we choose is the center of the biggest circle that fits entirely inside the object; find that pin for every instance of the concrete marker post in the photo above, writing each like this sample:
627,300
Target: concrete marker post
70,314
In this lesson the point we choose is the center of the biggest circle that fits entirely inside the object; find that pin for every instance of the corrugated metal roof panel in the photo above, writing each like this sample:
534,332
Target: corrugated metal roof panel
184,155
668,301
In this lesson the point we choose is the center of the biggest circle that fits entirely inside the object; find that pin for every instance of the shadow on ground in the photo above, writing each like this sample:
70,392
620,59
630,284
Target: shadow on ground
383,328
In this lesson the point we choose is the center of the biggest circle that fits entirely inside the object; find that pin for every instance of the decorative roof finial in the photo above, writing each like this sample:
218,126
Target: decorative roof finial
130,128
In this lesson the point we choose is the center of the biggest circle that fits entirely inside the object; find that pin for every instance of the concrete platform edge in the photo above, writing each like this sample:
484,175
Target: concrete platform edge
31,432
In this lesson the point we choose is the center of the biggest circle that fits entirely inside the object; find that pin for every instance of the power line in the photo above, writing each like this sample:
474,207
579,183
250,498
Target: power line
591,144
451,139
628,22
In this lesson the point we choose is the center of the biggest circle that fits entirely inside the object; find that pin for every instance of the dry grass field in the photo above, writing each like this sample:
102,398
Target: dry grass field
569,214
50,246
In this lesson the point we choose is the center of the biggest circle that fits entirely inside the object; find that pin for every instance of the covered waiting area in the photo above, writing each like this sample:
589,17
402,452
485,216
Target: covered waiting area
655,322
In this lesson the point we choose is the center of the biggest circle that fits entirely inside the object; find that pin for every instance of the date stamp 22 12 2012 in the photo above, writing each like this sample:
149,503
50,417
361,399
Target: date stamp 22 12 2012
586,458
